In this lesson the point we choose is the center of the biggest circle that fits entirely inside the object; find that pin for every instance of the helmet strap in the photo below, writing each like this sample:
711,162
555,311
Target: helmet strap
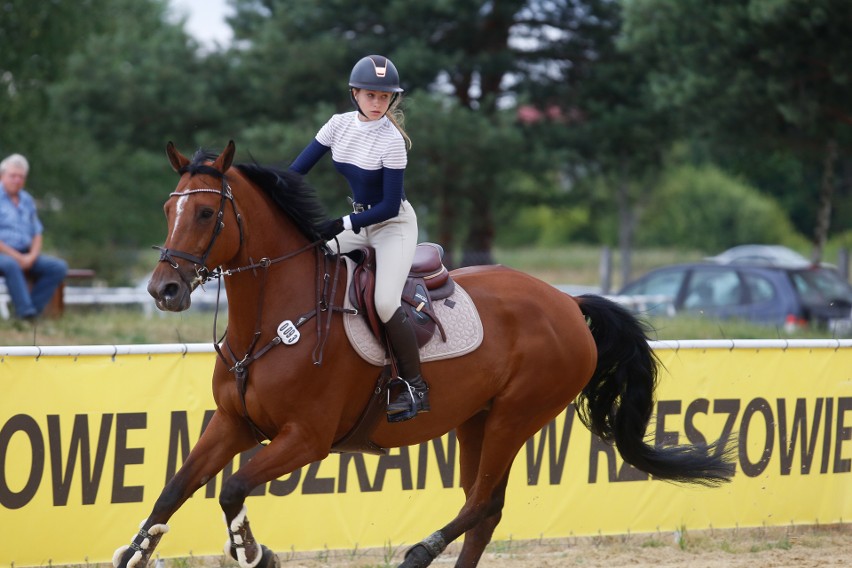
355,102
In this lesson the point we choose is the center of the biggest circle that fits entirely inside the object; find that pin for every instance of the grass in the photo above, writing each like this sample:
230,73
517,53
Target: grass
579,265
113,326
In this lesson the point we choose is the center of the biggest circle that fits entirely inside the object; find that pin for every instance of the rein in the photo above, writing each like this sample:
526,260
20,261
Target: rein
323,305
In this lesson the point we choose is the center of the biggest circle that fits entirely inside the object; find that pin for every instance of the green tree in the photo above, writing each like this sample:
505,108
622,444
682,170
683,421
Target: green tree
137,81
705,209
35,41
771,75
619,135
127,81
485,56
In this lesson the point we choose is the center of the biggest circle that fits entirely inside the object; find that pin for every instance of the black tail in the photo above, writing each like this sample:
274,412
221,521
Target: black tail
619,399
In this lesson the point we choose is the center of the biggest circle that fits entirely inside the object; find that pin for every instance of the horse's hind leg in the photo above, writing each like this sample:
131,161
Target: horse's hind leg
484,480
478,537
219,443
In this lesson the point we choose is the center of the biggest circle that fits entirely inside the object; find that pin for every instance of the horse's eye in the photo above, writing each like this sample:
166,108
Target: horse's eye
206,213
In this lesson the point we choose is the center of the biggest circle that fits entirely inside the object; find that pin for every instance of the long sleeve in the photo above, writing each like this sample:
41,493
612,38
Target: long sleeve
309,157
388,207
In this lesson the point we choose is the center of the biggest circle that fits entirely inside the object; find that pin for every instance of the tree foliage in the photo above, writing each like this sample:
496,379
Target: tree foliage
728,212
546,119
765,75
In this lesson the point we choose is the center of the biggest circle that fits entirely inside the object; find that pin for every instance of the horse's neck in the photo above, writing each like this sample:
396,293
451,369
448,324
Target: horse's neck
254,288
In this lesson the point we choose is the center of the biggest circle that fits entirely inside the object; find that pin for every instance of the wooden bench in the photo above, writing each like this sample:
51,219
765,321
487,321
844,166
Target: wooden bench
56,306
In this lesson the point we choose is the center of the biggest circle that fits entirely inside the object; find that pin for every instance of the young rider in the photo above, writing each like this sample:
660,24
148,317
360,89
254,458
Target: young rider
369,148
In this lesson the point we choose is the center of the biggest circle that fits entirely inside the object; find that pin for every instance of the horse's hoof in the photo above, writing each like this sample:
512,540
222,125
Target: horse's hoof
269,559
417,557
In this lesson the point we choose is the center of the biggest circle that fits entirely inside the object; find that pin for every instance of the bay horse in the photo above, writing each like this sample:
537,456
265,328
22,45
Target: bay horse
254,226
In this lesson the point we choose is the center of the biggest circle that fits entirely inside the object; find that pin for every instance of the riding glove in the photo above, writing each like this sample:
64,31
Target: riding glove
330,228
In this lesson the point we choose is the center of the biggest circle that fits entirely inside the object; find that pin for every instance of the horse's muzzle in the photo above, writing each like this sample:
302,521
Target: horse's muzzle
171,294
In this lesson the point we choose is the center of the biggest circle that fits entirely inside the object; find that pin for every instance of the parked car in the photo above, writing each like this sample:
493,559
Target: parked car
775,255
789,296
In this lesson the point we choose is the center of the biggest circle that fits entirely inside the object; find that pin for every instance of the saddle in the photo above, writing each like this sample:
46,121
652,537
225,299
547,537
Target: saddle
428,280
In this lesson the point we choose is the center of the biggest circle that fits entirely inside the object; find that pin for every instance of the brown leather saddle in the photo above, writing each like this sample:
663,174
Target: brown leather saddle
428,281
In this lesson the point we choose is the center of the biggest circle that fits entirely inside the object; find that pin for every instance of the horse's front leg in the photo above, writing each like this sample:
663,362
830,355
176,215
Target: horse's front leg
218,444
291,449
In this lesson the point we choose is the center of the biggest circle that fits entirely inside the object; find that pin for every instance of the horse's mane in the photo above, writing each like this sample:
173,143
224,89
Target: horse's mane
285,187
198,164
291,193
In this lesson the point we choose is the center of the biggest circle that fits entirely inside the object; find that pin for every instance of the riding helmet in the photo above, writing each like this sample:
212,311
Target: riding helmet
375,73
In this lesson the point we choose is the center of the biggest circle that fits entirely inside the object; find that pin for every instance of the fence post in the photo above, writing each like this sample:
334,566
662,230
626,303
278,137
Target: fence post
606,270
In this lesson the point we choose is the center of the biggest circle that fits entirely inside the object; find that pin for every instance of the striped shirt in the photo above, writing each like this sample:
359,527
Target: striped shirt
370,155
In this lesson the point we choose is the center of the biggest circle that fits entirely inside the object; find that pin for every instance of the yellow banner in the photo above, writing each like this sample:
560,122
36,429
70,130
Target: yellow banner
87,442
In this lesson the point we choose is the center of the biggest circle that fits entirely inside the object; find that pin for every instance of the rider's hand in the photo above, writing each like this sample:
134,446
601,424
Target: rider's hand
330,229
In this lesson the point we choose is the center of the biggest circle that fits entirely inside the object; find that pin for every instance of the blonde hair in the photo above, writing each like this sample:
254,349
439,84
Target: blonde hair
397,118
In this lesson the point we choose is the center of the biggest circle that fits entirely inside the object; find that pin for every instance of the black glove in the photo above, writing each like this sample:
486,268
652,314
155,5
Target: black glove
330,228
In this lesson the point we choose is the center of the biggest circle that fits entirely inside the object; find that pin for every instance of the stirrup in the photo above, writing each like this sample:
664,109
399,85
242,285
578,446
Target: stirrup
417,399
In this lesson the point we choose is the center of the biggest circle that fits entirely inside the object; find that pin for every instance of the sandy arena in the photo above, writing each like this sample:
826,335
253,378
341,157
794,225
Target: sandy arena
829,545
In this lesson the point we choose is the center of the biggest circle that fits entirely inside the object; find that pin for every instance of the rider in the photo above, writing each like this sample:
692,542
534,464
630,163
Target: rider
369,148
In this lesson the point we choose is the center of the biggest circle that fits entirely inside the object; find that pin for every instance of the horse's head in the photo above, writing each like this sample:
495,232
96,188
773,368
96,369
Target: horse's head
204,227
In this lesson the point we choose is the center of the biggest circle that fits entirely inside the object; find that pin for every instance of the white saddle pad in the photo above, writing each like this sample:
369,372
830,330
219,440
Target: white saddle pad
457,314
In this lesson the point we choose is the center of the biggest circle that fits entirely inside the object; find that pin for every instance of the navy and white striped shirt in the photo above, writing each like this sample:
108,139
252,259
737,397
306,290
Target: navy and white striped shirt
370,155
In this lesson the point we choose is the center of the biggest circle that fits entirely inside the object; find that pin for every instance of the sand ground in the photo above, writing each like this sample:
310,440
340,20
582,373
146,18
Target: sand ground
755,548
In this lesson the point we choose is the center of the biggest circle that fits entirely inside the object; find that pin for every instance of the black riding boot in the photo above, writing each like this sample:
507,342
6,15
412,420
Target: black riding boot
414,396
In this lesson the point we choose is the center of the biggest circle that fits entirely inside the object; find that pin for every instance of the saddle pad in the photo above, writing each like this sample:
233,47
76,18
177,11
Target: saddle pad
457,314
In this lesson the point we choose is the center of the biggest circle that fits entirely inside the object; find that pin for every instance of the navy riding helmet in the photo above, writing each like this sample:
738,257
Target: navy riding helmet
374,73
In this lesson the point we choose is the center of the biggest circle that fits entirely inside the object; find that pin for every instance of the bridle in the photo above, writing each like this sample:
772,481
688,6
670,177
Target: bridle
324,293
203,273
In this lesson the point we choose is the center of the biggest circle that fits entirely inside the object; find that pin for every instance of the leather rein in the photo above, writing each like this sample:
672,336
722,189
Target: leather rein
324,294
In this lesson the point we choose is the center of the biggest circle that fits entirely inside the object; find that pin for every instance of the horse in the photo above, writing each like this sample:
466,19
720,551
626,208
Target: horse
254,226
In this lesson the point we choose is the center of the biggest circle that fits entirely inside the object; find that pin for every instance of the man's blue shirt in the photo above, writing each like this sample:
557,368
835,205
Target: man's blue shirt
19,224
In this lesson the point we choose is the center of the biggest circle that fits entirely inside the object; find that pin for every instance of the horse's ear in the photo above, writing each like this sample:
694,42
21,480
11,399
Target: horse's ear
177,159
223,162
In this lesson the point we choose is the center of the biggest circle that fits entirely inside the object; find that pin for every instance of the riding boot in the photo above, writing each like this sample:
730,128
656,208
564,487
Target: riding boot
414,397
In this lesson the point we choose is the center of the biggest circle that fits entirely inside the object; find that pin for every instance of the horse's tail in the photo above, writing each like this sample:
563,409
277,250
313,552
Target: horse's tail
617,403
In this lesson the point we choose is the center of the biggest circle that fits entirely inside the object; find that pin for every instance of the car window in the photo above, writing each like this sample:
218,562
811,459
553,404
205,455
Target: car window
816,286
712,288
666,283
760,289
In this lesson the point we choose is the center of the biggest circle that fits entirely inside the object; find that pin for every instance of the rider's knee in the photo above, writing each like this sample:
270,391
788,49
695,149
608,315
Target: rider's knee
386,308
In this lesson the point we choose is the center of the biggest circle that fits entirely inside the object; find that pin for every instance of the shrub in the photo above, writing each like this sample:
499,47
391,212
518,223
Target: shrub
706,209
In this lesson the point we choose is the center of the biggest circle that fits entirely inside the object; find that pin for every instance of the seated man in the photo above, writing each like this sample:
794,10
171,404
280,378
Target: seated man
20,244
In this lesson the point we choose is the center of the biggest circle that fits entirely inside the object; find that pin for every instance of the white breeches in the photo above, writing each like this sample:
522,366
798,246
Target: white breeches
395,241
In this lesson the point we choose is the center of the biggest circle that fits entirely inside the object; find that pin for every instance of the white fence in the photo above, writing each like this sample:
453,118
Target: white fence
120,296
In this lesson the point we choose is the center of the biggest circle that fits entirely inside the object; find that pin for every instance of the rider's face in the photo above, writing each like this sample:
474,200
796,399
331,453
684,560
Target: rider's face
374,104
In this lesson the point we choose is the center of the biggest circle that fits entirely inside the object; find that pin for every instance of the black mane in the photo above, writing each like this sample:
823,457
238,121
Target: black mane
291,193
198,164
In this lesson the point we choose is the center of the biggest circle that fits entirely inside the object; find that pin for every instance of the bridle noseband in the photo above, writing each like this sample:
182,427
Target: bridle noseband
202,272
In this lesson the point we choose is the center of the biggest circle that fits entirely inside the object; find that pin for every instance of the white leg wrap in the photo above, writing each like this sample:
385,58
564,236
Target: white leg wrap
240,538
144,548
